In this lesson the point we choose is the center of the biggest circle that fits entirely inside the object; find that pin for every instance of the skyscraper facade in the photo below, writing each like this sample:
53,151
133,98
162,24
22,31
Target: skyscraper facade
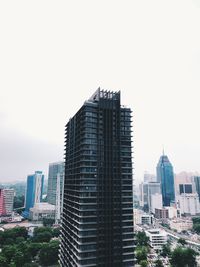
165,176
55,169
34,190
97,221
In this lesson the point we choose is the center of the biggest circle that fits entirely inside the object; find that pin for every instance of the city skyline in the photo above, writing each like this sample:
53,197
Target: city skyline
50,64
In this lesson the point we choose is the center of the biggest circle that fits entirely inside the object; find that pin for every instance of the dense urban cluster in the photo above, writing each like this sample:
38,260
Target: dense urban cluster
88,213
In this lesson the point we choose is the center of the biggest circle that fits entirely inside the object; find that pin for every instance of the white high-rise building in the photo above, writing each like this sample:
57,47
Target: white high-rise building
189,204
156,202
38,186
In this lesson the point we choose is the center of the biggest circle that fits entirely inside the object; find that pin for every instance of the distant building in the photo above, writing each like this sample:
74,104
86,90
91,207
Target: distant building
55,169
42,211
162,214
142,218
6,201
153,188
196,180
181,225
156,202
143,192
34,191
146,191
184,178
157,238
189,204
165,176
173,212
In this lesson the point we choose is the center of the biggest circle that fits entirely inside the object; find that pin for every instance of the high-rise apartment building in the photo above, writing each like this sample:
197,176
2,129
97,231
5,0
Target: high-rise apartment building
34,190
165,176
6,201
9,200
2,205
97,221
55,169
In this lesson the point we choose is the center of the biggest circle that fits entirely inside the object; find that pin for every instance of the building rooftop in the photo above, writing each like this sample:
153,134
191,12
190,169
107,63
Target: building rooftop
44,206
105,94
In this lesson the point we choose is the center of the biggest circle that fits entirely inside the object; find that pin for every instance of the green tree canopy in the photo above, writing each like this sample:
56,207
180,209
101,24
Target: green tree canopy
159,263
166,251
49,253
142,239
8,252
141,254
3,261
42,237
143,263
34,248
183,257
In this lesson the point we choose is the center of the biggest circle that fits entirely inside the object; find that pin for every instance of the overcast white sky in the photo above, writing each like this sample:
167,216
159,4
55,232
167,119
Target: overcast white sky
55,54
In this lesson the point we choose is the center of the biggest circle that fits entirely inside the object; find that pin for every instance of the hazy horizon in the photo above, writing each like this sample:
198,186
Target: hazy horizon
54,55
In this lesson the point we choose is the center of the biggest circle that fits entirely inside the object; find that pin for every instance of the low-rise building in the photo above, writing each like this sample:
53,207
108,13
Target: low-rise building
141,218
157,238
41,211
181,225
173,212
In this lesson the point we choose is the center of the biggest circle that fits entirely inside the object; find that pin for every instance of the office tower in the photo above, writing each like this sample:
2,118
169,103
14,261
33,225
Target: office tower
165,176
185,188
6,201
55,169
196,180
34,190
97,221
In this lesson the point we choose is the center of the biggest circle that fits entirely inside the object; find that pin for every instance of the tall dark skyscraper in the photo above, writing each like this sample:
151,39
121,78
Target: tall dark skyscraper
97,220
165,176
